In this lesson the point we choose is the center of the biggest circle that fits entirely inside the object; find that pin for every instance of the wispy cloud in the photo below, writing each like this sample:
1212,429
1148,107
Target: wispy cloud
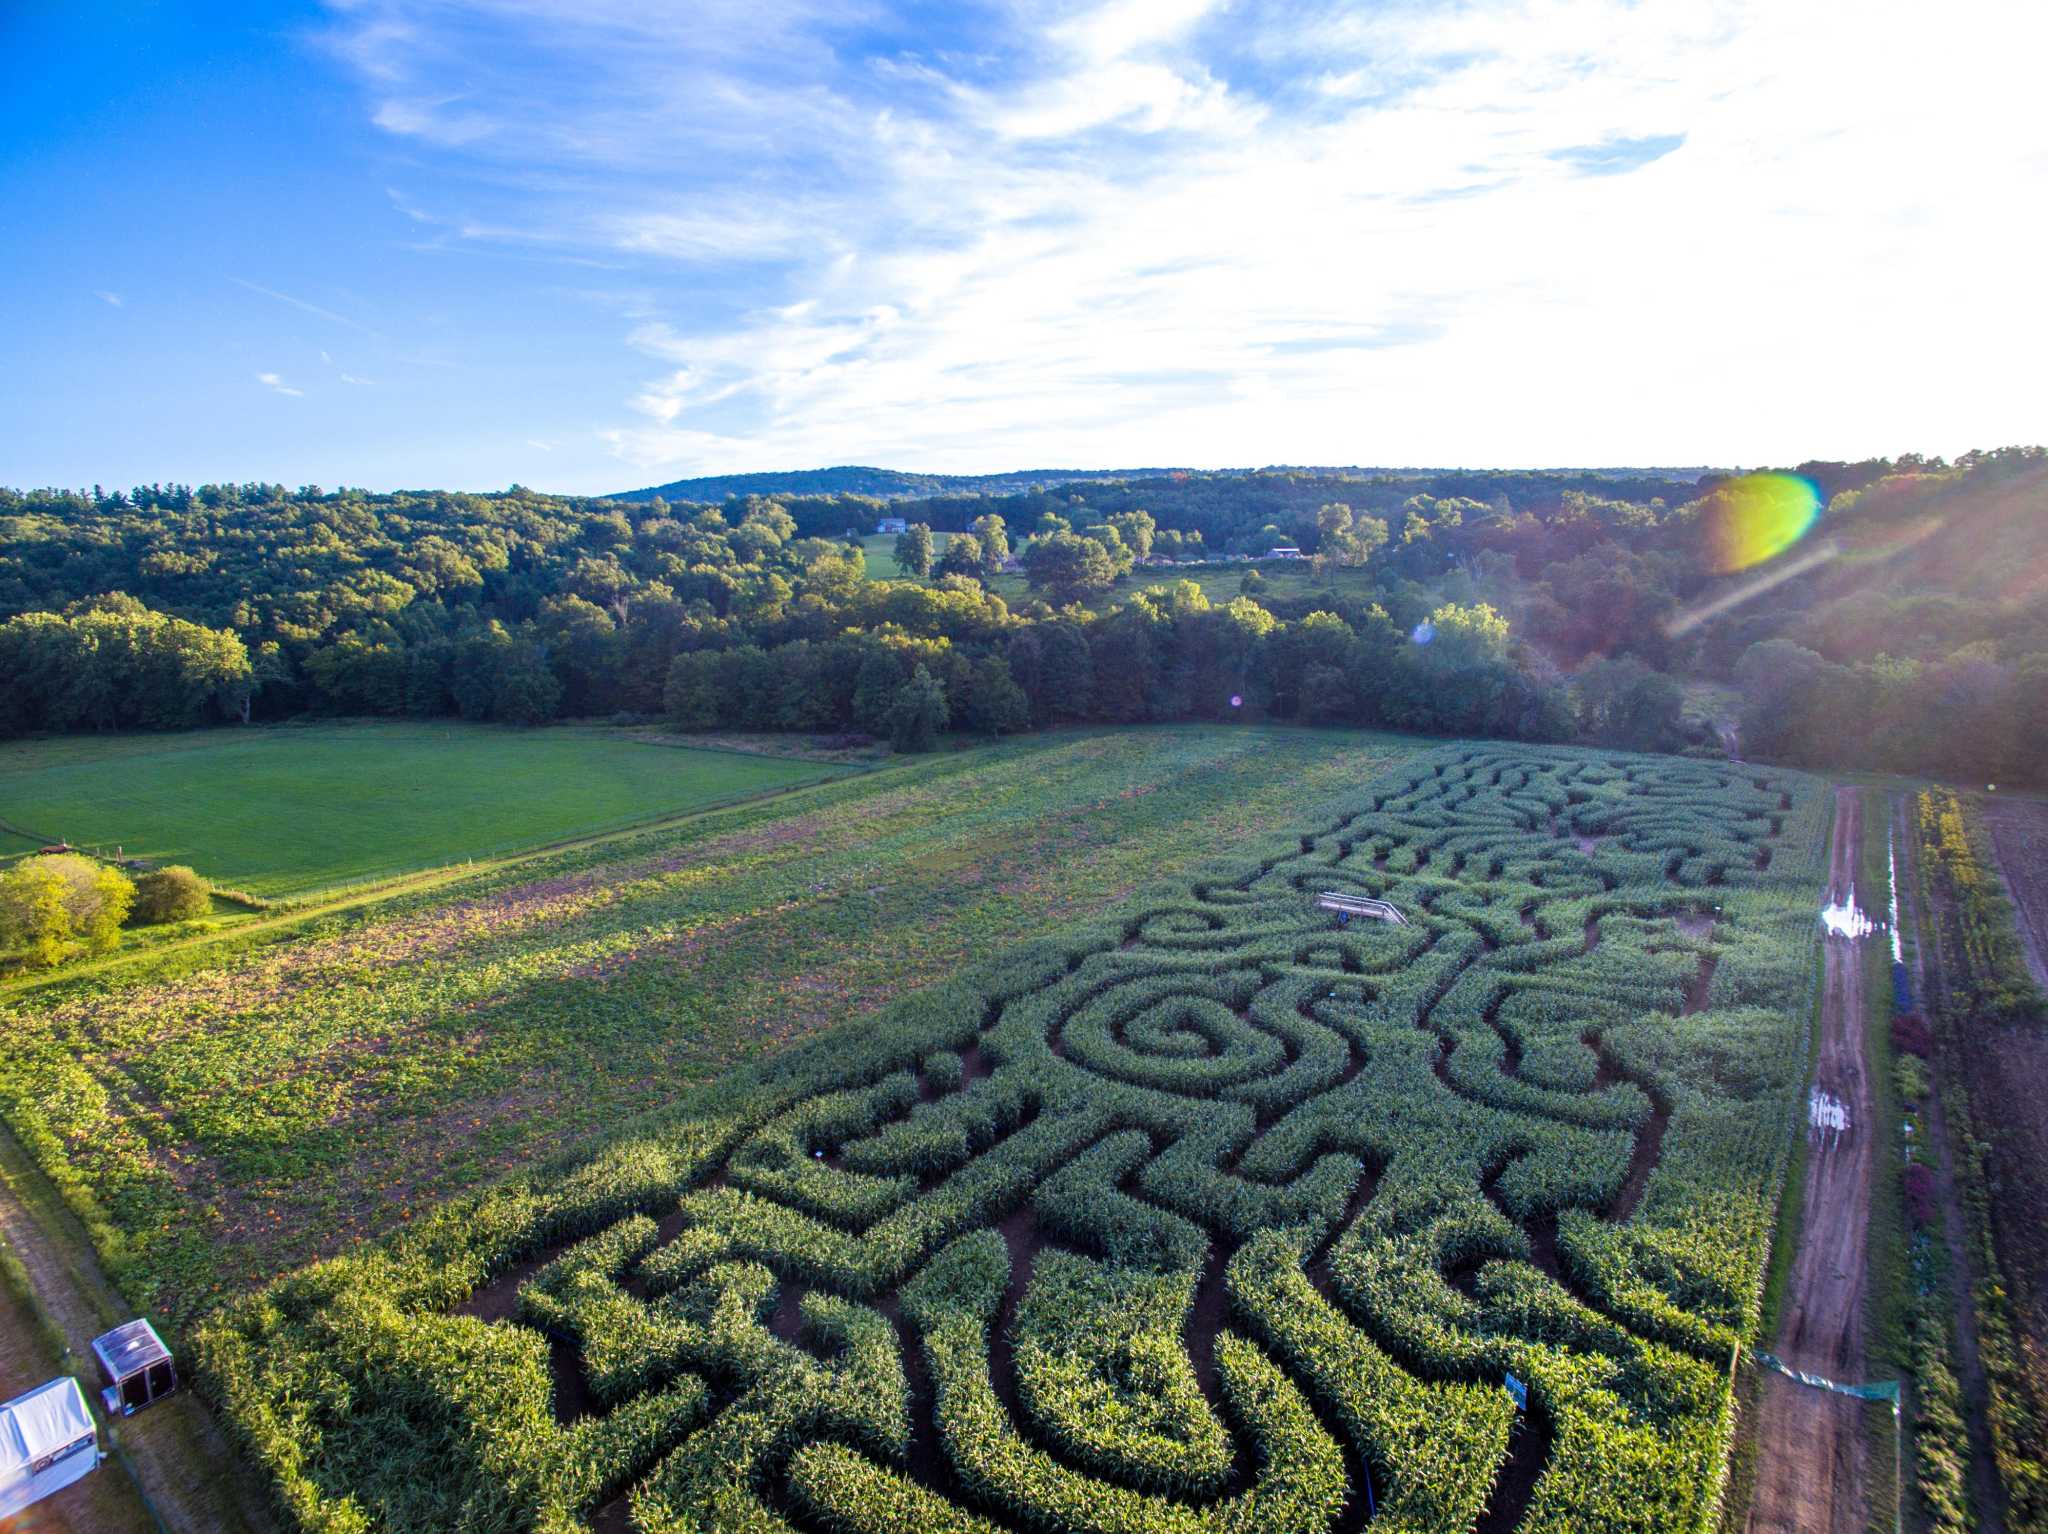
277,385
302,304
352,378
1239,230
105,297
536,443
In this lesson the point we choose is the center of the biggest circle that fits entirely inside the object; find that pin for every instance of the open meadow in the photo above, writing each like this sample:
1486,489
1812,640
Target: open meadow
291,809
1197,1212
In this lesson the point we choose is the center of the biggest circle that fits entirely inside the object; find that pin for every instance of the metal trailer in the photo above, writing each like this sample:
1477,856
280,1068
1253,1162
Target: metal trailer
137,1366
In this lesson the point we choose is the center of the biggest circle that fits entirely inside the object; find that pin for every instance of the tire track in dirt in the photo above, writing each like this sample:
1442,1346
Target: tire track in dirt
1811,1471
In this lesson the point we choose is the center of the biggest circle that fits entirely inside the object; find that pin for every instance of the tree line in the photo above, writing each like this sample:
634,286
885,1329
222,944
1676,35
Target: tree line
1527,606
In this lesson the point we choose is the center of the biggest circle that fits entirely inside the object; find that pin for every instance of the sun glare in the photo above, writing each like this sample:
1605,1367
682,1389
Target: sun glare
1756,518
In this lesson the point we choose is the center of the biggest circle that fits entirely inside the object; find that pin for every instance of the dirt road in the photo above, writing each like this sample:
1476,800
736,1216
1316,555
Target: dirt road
105,1501
1811,1471
179,1456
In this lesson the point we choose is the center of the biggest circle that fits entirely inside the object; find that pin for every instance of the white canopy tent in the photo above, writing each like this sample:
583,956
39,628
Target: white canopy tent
47,1441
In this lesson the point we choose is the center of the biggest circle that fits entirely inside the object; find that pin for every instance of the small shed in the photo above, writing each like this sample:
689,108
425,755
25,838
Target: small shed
137,1366
893,525
47,1441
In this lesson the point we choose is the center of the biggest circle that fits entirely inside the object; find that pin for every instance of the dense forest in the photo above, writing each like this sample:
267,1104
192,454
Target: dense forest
1525,605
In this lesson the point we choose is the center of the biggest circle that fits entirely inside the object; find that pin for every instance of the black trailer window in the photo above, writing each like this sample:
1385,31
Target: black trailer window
134,1392
160,1379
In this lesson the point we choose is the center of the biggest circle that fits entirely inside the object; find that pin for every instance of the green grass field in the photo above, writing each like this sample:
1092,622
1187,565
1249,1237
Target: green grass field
286,810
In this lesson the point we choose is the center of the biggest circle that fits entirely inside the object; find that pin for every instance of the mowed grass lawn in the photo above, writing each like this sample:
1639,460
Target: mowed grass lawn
288,809
229,1113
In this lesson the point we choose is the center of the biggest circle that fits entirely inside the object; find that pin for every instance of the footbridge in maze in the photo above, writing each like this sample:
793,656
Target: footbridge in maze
1216,1218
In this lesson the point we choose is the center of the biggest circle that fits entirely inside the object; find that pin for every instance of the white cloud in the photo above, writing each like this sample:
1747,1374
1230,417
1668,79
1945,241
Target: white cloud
277,385
352,378
537,444
112,299
1183,231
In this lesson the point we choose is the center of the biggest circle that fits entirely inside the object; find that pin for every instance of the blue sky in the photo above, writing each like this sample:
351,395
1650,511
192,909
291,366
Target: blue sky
591,244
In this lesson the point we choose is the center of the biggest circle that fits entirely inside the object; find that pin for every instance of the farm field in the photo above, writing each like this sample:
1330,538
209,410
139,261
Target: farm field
1199,1213
225,1113
286,810
1988,957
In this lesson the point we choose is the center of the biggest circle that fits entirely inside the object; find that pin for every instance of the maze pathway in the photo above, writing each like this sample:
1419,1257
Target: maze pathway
1222,1217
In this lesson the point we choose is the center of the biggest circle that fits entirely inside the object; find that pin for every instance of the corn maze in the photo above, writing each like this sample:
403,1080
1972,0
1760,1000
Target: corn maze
1209,1216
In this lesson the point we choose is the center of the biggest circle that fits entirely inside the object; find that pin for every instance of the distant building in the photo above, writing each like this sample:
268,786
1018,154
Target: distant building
1284,551
893,525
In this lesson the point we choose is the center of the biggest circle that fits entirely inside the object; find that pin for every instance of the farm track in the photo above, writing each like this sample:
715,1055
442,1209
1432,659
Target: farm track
104,1502
1812,1476
1986,1497
181,1460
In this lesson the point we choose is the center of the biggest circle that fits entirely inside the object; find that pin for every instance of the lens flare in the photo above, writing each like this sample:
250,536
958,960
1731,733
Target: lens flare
1757,517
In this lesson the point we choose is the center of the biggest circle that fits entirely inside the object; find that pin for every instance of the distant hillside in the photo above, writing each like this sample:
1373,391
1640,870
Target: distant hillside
894,484
883,484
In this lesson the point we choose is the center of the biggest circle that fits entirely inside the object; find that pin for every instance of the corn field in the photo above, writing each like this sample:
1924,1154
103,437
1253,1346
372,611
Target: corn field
1209,1215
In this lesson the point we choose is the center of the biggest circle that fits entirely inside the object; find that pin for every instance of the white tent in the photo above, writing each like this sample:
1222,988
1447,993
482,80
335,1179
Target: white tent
47,1441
